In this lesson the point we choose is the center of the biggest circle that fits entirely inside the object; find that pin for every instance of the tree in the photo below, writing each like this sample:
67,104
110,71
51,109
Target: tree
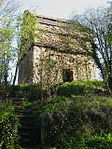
99,28
7,9
27,26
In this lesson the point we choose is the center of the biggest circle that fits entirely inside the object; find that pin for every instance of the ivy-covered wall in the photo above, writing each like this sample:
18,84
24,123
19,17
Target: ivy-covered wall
58,45
52,64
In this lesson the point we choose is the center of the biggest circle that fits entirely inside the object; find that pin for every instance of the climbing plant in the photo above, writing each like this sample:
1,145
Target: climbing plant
27,26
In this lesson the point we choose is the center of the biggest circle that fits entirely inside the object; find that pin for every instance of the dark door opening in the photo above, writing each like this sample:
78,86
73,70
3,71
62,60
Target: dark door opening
67,75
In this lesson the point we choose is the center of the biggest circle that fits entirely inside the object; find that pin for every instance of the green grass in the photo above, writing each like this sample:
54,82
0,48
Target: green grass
14,147
78,115
81,88
82,103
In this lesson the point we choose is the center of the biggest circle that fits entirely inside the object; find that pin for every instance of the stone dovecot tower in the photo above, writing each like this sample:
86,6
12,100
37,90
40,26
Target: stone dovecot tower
59,53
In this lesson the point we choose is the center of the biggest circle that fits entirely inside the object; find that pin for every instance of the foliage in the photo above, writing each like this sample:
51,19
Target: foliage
8,126
33,91
80,116
30,91
55,104
7,29
4,92
14,147
101,141
75,117
81,88
27,26
6,49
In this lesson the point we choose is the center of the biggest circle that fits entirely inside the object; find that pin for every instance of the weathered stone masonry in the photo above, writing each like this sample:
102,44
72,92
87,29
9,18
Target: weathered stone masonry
58,54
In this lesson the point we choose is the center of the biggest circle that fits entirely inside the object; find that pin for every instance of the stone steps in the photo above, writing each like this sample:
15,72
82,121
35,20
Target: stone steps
27,132
26,129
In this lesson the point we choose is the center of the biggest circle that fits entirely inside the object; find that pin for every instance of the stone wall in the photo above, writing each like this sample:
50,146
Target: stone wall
49,65
26,68
60,47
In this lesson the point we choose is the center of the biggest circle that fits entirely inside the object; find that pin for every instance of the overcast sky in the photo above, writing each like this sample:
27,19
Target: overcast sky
60,8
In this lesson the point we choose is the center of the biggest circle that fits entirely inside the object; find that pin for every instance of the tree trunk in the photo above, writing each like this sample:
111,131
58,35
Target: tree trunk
15,76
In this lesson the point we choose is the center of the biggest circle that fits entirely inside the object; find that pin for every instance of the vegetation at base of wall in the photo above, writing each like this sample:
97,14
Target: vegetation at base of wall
81,88
8,126
78,115
62,103
33,92
77,121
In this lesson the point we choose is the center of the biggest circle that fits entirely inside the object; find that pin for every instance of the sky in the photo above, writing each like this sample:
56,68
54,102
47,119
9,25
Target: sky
59,8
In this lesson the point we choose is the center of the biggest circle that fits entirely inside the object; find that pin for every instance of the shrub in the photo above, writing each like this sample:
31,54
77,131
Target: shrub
8,126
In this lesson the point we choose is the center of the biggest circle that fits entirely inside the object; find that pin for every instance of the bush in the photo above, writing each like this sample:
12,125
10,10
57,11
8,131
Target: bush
8,126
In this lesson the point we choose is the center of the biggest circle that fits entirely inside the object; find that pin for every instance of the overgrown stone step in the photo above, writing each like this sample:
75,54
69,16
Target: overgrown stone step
26,136
24,116
26,131
26,123
20,95
17,99
26,139
26,142
25,120
25,111
32,148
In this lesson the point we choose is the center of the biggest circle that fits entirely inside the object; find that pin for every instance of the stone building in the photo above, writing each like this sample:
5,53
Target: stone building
58,54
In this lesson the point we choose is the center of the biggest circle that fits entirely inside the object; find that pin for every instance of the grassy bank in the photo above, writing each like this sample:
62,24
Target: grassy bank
76,115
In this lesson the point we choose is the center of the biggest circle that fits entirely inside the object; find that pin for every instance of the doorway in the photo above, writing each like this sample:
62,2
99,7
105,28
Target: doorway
67,75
